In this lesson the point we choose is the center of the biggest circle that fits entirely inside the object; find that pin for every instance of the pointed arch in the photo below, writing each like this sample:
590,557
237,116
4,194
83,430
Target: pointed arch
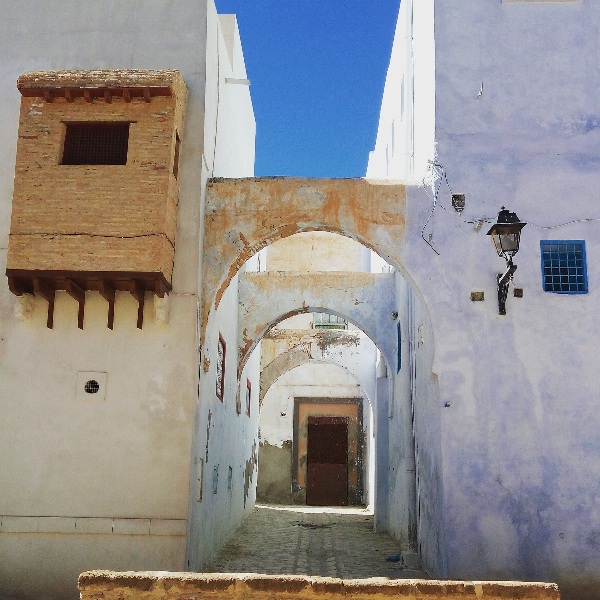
367,300
244,215
298,356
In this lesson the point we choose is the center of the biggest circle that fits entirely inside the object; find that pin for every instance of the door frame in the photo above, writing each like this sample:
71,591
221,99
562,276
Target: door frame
359,490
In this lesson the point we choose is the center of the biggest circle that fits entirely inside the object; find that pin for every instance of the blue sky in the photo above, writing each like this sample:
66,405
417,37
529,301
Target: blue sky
317,69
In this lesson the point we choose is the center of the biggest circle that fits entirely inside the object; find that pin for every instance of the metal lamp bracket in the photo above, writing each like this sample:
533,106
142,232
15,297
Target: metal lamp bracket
503,283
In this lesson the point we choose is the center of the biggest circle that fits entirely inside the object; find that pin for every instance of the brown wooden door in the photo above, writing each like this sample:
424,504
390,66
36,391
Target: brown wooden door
327,461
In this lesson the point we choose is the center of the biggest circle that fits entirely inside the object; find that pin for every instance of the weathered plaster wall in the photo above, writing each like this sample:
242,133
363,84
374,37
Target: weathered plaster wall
125,457
366,299
225,436
245,215
353,351
426,430
315,251
401,483
520,433
414,486
307,381
516,125
310,380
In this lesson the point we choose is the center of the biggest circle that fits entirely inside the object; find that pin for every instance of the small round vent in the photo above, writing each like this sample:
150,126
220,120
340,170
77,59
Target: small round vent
91,386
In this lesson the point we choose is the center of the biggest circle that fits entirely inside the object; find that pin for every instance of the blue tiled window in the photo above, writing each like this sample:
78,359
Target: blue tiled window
564,269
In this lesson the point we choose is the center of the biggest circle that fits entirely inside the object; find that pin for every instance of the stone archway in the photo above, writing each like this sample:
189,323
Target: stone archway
282,364
302,354
244,215
366,299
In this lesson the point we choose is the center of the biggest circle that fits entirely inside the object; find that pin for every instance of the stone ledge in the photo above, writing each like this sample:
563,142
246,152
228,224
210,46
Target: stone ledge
108,585
93,525
159,82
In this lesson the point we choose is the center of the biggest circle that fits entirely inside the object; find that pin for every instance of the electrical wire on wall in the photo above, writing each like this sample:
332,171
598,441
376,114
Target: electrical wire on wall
434,206
439,177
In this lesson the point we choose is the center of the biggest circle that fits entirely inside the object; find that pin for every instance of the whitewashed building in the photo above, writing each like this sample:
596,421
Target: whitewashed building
135,302
97,424
496,101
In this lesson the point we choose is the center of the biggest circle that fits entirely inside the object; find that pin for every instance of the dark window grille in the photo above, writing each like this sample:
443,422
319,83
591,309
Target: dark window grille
564,269
96,144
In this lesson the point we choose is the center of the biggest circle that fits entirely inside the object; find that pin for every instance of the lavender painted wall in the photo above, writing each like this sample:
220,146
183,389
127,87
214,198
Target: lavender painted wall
516,124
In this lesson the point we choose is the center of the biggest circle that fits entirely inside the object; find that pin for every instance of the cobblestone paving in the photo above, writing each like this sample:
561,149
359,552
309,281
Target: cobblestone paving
306,541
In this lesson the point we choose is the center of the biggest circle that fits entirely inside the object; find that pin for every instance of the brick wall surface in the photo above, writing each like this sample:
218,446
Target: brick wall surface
106,585
96,217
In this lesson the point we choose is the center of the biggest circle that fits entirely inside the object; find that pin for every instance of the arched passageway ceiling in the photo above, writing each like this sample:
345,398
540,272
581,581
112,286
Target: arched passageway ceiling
244,215
365,299
343,356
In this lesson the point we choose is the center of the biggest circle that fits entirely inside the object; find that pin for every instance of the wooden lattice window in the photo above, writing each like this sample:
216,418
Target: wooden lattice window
96,144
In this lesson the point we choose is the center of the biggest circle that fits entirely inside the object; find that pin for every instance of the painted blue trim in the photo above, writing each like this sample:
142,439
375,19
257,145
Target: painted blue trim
564,269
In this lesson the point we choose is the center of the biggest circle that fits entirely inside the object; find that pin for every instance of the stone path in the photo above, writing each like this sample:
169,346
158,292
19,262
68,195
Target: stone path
308,541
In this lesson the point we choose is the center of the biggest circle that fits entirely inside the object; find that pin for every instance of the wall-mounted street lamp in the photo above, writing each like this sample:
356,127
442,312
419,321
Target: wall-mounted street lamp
506,235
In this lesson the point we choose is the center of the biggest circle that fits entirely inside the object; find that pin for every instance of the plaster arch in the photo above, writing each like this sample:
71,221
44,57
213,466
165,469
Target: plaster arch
365,299
243,216
280,365
309,352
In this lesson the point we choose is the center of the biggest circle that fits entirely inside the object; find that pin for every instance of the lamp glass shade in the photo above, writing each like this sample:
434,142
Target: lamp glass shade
506,242
506,234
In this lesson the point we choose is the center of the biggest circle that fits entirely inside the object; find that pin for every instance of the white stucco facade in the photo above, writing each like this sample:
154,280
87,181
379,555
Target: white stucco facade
513,451
90,483
481,435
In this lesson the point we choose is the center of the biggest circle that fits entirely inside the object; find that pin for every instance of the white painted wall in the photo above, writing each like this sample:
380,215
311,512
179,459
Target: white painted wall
117,471
311,380
518,455
106,484
405,136
224,438
322,380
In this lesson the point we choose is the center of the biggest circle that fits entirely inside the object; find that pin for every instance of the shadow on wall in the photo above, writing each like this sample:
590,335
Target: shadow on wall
275,474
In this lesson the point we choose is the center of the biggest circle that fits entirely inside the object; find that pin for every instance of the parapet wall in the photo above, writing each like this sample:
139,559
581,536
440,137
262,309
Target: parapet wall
108,585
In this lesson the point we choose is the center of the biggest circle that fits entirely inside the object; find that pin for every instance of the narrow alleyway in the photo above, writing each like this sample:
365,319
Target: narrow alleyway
330,542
